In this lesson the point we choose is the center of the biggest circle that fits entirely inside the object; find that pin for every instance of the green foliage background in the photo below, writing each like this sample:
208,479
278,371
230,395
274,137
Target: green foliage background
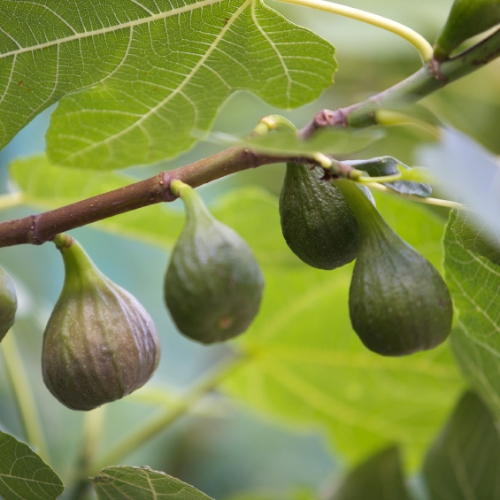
309,401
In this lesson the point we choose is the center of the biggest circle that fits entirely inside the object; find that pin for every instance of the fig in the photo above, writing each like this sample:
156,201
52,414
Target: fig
467,18
213,284
316,220
8,303
99,344
398,302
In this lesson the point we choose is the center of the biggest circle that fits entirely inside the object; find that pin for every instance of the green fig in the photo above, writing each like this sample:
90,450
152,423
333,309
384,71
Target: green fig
8,303
398,302
467,18
99,344
317,222
213,284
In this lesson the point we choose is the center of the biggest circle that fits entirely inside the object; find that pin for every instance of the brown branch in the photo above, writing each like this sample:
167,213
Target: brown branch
37,229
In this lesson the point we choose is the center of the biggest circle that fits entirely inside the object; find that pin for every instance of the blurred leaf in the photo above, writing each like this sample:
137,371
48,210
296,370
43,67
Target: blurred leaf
301,494
477,237
467,172
463,461
308,366
142,483
23,474
378,478
387,165
328,141
474,282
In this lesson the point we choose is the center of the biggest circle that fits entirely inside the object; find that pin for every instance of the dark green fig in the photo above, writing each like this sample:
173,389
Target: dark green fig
467,18
398,302
99,344
8,303
213,284
317,222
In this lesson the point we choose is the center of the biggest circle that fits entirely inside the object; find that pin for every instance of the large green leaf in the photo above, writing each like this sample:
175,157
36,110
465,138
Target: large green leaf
142,483
23,474
478,237
378,478
308,366
463,461
474,282
144,74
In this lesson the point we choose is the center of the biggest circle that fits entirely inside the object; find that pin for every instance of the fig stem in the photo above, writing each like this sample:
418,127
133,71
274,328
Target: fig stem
23,395
149,429
416,39
273,122
428,201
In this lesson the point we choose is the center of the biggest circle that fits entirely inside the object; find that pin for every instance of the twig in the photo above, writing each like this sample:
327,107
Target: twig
37,229
418,41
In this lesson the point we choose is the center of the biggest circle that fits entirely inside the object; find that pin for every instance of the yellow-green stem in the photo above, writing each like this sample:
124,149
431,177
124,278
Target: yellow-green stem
158,423
394,118
23,395
428,201
418,41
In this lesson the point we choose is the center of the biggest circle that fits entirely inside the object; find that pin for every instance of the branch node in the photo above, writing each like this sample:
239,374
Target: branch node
435,71
33,236
164,182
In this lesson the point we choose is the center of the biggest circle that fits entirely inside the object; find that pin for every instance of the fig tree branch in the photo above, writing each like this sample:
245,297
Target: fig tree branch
37,229
431,77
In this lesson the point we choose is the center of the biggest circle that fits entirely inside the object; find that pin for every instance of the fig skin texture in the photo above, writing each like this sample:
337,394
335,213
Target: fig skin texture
398,302
99,344
316,220
213,284
8,303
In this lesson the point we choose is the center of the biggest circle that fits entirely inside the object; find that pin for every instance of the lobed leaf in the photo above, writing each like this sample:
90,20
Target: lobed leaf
477,237
137,77
142,483
23,474
474,282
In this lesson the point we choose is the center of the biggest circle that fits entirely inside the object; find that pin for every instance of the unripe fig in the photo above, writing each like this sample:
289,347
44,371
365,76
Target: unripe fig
398,302
467,18
317,222
8,303
213,284
99,344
